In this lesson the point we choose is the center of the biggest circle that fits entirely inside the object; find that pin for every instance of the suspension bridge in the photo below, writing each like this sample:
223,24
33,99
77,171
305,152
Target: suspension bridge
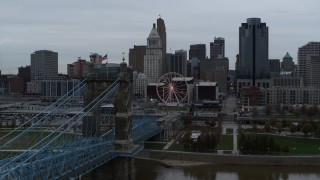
42,149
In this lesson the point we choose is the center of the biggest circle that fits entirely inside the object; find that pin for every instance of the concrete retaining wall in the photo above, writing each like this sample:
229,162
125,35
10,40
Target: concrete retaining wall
231,159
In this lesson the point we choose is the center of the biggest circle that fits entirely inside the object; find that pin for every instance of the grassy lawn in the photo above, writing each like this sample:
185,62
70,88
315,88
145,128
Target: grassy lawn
176,147
154,146
31,138
226,142
299,146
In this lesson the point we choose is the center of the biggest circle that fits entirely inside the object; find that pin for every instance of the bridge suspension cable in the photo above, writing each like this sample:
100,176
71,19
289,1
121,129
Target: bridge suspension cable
30,154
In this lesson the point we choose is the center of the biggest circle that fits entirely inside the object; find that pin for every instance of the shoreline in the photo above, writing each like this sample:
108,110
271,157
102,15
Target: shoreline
176,163
185,159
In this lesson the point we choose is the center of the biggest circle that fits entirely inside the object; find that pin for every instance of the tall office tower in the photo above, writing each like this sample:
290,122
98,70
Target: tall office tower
25,72
215,71
153,57
161,28
170,58
70,70
217,48
189,71
80,68
253,67
179,63
198,51
274,65
44,65
313,73
136,57
304,60
287,63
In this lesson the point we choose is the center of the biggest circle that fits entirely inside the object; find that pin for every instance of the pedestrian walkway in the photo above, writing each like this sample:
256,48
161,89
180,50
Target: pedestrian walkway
235,141
166,147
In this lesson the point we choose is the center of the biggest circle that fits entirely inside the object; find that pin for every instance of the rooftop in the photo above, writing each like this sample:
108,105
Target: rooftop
207,84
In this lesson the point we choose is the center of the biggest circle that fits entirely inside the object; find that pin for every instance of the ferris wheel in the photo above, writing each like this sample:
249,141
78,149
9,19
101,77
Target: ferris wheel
172,88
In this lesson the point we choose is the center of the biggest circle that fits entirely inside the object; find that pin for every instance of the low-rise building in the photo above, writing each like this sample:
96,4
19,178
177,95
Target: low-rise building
293,95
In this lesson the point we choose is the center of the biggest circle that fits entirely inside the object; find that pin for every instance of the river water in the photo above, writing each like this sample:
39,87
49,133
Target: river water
153,170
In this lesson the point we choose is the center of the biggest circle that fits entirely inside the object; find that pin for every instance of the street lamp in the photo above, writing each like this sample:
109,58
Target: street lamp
268,150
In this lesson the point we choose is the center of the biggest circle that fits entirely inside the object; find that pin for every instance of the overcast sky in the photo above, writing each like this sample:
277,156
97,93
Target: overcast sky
75,28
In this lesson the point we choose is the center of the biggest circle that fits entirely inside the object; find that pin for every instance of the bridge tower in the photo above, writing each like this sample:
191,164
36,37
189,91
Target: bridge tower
123,166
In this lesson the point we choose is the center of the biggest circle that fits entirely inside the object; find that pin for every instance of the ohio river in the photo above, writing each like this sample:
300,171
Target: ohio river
153,170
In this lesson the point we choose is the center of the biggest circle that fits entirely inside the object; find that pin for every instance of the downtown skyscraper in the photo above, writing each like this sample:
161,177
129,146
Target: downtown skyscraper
217,48
253,67
309,63
161,28
153,57
44,65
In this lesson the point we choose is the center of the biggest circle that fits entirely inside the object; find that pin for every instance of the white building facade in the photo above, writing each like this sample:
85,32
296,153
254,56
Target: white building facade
153,57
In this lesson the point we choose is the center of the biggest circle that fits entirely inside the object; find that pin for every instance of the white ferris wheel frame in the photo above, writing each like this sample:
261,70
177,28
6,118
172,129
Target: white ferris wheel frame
169,91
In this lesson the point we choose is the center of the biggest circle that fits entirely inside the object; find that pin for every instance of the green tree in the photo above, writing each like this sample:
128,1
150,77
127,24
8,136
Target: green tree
289,123
187,120
303,109
290,109
284,123
278,108
299,127
254,127
201,142
279,127
312,110
297,112
293,128
267,127
273,122
187,141
313,124
210,141
218,132
307,128
282,112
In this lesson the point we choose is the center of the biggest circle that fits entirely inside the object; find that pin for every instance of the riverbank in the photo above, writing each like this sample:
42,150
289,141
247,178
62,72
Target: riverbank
175,163
175,158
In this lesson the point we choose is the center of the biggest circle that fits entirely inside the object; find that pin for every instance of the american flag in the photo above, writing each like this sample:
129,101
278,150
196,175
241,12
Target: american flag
105,57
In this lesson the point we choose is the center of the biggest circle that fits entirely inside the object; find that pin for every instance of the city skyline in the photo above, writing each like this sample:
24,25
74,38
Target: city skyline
115,27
